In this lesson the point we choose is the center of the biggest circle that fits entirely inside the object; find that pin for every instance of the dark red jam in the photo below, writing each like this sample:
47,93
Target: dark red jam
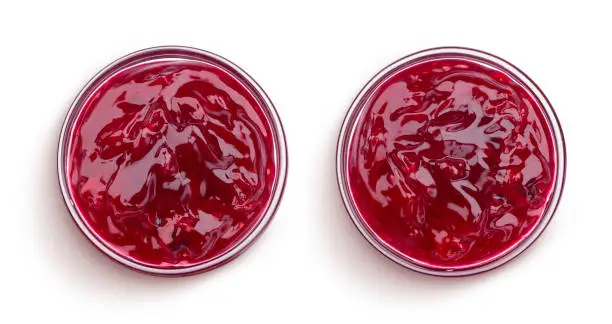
171,162
452,162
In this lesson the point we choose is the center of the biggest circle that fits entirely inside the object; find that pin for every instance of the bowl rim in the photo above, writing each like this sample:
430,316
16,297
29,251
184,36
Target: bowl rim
163,53
347,132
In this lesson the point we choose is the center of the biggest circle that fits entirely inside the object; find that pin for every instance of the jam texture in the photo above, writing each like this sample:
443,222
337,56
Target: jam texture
451,162
171,162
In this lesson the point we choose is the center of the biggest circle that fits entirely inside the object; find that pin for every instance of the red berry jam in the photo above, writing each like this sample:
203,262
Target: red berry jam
172,162
452,162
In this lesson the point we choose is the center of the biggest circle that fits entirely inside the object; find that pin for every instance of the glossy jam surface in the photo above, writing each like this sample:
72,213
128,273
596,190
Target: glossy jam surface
451,162
171,162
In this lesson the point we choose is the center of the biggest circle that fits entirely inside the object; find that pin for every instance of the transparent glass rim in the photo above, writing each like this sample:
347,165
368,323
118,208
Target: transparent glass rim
354,114
160,53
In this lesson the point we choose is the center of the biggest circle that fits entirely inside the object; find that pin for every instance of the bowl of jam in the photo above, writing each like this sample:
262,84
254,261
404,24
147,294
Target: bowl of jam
451,161
172,160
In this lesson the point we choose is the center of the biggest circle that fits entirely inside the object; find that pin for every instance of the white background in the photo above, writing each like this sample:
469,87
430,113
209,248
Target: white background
311,265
